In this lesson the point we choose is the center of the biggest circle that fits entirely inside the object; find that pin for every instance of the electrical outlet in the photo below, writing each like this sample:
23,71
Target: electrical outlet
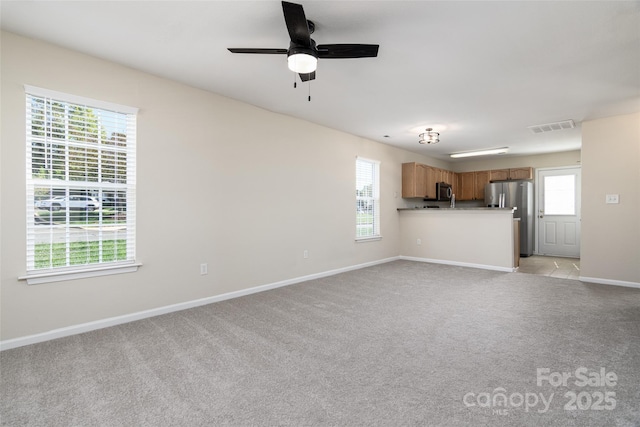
419,242
305,254
204,269
612,198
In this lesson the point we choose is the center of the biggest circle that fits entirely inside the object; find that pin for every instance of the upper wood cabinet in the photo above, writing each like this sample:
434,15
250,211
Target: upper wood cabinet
471,185
418,180
521,173
438,175
431,174
499,175
466,186
413,180
482,178
450,178
453,177
515,173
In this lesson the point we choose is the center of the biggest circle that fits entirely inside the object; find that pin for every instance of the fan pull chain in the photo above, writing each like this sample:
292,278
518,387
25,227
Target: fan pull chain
295,82
309,90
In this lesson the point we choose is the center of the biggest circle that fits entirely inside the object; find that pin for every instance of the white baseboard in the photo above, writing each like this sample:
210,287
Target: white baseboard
609,282
118,320
460,264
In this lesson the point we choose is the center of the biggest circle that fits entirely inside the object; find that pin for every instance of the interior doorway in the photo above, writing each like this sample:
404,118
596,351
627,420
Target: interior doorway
558,211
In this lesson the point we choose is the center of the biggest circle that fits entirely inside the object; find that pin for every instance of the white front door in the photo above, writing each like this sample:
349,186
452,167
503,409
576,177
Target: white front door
558,216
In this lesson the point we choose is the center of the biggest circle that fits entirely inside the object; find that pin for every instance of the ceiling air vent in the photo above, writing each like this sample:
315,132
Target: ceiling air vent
550,127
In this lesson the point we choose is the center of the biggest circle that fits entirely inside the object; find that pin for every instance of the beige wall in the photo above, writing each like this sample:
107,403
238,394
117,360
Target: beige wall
610,247
474,238
249,207
208,192
566,158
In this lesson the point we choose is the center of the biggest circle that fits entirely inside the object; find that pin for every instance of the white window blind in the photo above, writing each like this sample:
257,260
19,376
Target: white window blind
81,183
367,199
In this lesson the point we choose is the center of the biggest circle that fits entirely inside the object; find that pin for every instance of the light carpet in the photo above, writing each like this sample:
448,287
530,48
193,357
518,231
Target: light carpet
402,343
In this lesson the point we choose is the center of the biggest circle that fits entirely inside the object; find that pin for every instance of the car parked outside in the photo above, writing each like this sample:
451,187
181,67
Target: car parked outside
72,202
116,203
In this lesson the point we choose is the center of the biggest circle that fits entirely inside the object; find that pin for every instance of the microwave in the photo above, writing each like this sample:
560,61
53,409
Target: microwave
443,191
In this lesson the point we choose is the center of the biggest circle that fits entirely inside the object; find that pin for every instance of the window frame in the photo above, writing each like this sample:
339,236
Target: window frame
123,182
373,201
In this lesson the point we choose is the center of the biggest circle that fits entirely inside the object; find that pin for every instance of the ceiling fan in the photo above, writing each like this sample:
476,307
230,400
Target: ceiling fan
303,53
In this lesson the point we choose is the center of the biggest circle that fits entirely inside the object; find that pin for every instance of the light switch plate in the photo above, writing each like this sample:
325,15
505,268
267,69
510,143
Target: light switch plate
612,198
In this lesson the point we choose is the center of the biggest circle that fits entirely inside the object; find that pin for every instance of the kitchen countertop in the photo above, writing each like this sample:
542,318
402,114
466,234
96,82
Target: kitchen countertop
483,209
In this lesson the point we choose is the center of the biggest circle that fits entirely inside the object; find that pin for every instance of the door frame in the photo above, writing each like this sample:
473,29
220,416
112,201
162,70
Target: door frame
538,200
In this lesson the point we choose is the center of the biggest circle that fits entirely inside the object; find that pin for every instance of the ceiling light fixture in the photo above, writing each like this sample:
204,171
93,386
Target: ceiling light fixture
480,152
302,60
429,137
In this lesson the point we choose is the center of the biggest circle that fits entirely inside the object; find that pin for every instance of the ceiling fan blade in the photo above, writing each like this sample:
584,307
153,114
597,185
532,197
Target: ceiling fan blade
300,30
348,50
296,23
308,76
256,50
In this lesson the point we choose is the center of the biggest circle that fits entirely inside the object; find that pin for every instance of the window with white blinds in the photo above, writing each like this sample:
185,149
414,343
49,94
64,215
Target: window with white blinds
367,199
81,183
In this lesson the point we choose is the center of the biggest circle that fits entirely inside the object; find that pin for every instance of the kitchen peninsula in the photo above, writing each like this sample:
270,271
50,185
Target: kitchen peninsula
471,237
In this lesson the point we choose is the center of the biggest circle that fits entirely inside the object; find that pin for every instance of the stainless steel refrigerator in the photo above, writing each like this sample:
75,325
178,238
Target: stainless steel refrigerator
515,194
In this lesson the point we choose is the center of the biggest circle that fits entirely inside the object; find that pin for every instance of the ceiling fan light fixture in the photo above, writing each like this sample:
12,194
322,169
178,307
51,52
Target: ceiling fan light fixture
302,63
303,53
429,137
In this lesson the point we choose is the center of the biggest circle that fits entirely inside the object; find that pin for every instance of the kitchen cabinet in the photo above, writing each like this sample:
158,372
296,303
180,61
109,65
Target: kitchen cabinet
430,174
418,180
454,183
514,173
521,173
471,185
448,177
466,186
443,175
451,179
438,174
414,180
499,175
481,179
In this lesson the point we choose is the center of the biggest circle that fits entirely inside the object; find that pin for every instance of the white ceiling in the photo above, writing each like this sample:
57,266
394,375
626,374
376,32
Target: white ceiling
481,72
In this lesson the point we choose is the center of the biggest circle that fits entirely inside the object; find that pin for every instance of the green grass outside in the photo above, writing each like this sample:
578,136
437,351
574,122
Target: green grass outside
364,218
364,231
48,255
365,224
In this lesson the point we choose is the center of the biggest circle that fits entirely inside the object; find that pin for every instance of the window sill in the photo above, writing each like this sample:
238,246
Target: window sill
49,276
368,239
